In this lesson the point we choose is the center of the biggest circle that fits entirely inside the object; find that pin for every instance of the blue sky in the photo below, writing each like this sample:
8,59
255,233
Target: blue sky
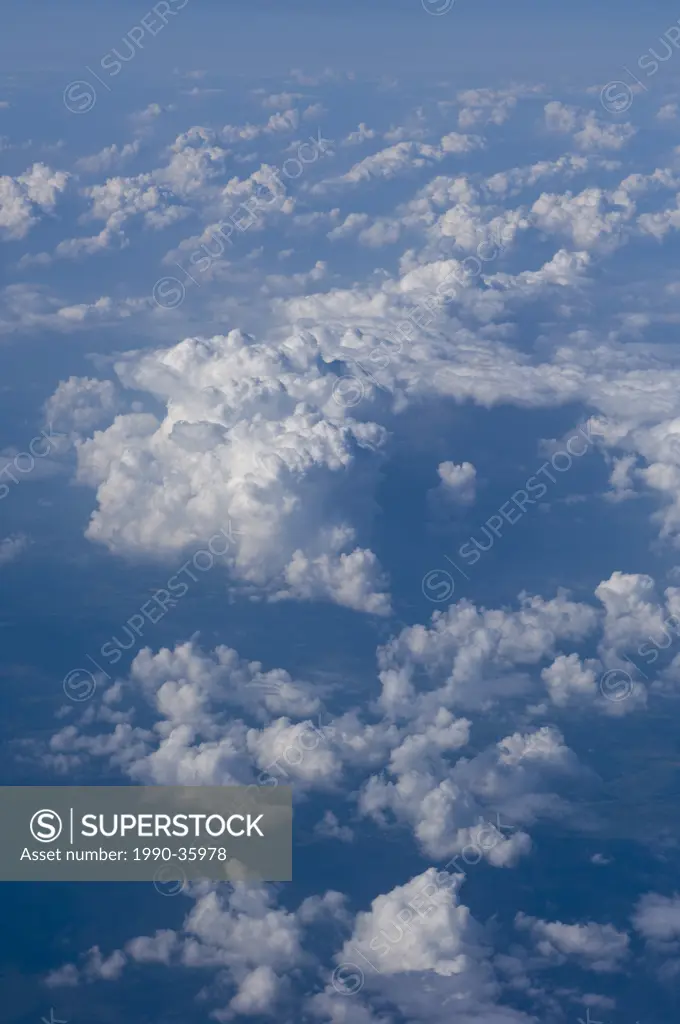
385,296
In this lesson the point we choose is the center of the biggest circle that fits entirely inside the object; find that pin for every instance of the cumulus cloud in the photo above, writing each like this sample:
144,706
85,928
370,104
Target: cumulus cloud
485,106
24,198
419,948
81,403
596,947
249,437
657,918
12,547
591,133
400,159
108,157
457,484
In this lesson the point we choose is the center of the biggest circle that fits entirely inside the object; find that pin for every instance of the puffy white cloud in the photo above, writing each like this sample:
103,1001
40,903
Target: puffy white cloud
251,437
458,482
486,106
351,225
516,179
12,547
621,478
281,99
586,218
400,159
108,158
257,993
24,197
454,142
657,919
596,947
425,952
81,403
351,579
360,135
668,112
447,806
153,949
284,121
65,976
242,934
567,680
659,224
472,655
559,117
387,163
330,828
591,133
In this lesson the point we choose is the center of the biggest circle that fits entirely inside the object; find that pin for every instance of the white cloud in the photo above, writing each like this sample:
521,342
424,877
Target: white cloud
81,403
12,547
24,197
485,106
591,133
428,952
165,485
330,828
108,158
668,112
596,947
657,919
400,159
458,484
360,135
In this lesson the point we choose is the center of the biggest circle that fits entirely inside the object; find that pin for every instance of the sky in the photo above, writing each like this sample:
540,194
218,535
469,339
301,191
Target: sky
340,449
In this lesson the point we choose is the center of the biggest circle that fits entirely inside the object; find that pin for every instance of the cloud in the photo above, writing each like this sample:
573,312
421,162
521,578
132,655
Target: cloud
362,134
330,828
486,106
595,947
11,547
400,159
249,437
418,949
657,918
591,133
108,158
81,403
22,199
457,484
